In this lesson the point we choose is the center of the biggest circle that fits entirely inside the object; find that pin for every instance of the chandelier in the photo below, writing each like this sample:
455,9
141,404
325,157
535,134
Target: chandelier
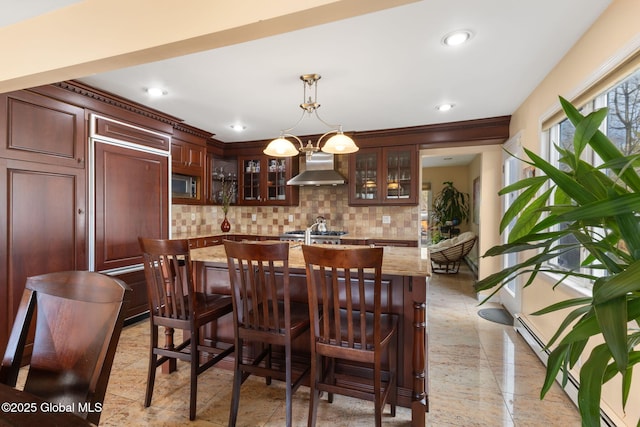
338,143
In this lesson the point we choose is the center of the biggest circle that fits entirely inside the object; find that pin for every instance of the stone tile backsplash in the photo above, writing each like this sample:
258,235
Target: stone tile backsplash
330,202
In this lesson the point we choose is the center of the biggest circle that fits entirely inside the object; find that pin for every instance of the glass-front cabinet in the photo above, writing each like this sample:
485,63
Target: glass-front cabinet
365,181
263,180
385,175
223,180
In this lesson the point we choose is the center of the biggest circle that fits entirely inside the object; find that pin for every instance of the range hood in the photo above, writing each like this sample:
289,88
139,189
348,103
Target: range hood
317,169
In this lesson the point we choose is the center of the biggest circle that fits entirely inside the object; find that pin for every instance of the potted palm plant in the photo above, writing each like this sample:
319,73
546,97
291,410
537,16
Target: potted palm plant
450,207
598,208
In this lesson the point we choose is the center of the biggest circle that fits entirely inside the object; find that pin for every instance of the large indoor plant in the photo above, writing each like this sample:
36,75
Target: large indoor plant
450,207
598,208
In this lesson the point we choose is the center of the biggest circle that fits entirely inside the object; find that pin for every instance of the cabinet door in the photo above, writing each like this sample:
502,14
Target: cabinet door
364,171
131,200
187,158
218,172
384,176
41,129
251,186
42,228
400,176
278,170
263,181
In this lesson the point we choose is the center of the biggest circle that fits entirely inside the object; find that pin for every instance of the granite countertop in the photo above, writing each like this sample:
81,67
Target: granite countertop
347,236
398,261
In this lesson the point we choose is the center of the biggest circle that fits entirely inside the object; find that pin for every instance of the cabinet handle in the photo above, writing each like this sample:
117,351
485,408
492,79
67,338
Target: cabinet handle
80,211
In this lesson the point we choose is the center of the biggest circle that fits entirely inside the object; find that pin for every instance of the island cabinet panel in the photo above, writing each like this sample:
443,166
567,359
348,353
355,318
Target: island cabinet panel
42,228
138,302
131,200
41,129
398,293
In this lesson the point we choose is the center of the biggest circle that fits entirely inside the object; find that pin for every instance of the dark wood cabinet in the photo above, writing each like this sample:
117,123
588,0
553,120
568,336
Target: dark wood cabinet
384,176
43,187
41,129
263,181
131,200
219,173
43,228
188,157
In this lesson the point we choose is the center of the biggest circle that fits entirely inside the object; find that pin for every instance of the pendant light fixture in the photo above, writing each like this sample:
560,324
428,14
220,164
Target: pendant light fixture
338,143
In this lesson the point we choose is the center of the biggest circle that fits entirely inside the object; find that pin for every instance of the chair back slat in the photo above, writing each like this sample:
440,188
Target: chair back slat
338,281
259,276
169,276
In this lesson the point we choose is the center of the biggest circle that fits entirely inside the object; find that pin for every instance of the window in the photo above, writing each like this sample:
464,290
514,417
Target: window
622,126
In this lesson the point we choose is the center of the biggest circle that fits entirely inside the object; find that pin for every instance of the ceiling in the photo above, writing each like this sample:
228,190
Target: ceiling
381,70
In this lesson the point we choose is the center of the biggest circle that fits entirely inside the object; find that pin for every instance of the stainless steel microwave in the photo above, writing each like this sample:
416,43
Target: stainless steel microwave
184,186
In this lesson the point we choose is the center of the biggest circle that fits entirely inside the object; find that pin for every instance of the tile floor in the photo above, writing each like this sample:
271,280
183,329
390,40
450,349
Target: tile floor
481,374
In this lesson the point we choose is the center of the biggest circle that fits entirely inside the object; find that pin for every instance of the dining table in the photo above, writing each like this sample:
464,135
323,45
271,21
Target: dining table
405,274
20,408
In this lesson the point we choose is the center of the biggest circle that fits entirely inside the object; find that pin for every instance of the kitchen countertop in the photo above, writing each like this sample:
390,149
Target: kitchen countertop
347,236
400,261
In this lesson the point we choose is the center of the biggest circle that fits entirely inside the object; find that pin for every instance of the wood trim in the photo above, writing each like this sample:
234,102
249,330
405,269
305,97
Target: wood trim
488,131
190,133
126,132
104,103
485,131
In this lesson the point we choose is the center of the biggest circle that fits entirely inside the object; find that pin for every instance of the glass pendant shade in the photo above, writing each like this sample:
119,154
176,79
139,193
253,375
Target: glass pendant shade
281,147
340,144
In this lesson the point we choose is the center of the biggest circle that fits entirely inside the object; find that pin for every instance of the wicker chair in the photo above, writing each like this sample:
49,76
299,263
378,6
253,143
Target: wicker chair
446,255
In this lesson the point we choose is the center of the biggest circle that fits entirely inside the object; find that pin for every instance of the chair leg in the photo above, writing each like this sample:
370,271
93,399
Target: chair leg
377,390
268,362
237,382
331,368
195,361
393,368
153,361
314,394
289,384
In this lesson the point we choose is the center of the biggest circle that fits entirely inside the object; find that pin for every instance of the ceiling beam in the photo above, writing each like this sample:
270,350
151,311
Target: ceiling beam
102,35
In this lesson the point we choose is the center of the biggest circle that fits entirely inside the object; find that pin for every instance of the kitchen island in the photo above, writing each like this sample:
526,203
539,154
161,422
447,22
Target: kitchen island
405,273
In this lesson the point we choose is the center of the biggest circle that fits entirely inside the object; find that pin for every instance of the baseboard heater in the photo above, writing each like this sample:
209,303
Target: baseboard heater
536,344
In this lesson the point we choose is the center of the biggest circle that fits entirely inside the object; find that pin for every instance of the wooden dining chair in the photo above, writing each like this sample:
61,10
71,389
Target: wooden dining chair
78,319
348,324
174,303
264,314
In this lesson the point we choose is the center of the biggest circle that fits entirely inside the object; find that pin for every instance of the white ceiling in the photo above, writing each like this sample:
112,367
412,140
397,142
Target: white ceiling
381,70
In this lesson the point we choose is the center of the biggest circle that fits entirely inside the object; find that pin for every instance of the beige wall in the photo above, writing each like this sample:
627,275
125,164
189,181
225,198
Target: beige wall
488,166
613,37
459,175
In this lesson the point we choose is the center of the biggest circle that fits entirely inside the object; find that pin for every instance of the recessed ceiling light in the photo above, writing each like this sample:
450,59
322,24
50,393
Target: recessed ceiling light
156,91
444,107
457,37
238,128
